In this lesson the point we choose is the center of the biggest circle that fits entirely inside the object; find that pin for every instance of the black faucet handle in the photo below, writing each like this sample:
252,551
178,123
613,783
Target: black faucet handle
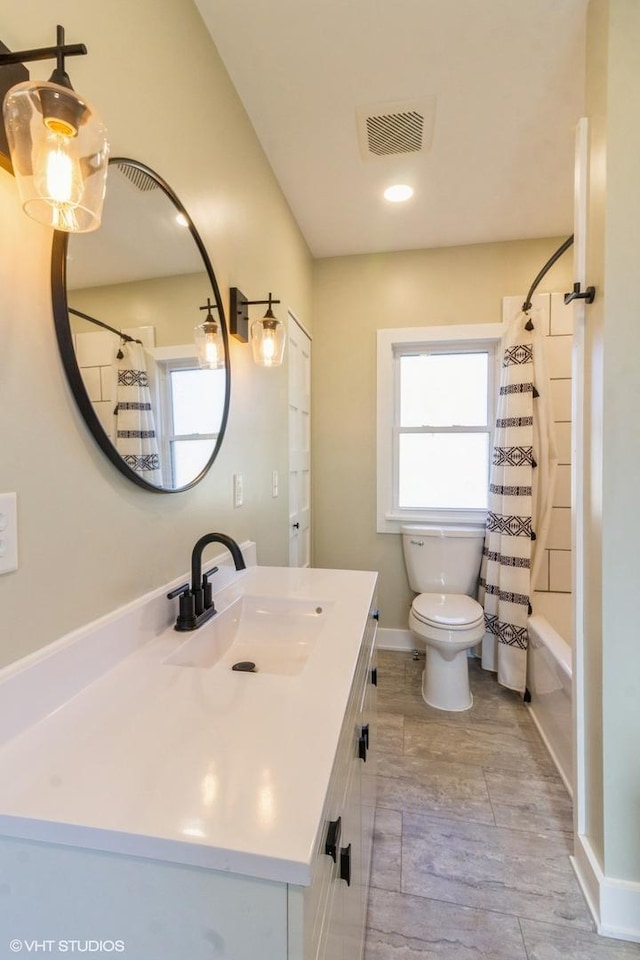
187,612
187,616
207,590
182,589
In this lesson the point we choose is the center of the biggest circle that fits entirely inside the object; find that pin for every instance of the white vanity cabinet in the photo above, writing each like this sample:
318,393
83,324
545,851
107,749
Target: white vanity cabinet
163,812
327,918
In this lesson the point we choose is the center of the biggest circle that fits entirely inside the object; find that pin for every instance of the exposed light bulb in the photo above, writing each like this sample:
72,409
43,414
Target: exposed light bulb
209,345
268,347
58,181
211,353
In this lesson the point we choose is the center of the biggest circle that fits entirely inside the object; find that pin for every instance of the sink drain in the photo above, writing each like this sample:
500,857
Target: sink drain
245,666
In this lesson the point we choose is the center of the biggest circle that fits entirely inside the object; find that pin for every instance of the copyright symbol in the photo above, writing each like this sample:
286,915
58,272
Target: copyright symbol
16,946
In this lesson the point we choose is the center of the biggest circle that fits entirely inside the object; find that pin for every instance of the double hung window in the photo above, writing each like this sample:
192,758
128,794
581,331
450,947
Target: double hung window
192,400
436,408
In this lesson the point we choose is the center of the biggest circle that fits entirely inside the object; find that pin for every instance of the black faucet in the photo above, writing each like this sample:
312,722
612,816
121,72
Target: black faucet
196,601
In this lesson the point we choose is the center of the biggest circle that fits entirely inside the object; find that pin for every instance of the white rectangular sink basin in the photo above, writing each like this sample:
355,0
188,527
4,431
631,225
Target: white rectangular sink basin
277,634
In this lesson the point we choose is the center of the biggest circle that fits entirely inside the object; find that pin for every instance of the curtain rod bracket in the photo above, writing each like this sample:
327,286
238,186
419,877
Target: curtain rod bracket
588,295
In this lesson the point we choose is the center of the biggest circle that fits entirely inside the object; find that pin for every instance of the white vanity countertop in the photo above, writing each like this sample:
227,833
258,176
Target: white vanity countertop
195,765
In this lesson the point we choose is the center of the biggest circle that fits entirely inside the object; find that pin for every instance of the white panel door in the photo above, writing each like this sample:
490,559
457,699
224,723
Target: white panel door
299,445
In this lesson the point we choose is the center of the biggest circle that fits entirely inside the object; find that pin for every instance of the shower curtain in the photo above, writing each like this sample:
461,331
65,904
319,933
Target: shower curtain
520,495
135,433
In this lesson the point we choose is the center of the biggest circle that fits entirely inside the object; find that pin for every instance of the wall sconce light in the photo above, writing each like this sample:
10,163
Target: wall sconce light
209,342
53,141
267,334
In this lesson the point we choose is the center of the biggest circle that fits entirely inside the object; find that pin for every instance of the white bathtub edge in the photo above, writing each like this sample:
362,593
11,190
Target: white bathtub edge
549,673
551,751
554,641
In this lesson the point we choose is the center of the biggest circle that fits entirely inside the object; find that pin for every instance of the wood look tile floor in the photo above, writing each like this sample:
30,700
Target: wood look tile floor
473,833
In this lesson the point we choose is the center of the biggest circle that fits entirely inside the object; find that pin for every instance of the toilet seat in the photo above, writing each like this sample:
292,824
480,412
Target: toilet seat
448,611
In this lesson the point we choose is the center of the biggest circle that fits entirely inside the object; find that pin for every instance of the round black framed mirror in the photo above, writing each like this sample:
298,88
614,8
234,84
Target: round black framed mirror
126,301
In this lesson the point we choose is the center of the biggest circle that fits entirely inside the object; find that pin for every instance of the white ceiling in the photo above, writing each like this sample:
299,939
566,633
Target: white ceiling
508,82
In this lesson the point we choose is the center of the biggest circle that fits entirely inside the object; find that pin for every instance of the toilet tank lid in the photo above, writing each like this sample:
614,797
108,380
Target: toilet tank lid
442,530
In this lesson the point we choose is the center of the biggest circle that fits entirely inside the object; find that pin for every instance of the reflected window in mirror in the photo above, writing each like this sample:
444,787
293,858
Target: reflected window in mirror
191,402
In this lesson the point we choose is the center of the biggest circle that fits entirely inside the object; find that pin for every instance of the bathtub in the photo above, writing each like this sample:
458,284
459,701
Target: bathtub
549,677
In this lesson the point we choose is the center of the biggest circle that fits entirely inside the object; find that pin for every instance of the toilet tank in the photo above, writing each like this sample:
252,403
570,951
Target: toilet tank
442,559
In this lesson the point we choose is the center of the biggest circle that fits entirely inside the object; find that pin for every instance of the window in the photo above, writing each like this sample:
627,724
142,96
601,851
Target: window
191,401
436,401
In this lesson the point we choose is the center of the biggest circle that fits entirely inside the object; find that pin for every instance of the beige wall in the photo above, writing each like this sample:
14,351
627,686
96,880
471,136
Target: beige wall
169,304
612,651
353,298
89,539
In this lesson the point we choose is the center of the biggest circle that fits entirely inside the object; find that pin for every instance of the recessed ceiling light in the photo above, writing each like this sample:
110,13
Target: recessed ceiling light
398,192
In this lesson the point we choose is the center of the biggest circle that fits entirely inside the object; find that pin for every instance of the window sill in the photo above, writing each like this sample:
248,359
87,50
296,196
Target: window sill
391,522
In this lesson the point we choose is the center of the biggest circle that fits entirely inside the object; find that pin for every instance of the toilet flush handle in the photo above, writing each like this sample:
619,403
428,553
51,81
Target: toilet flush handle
417,543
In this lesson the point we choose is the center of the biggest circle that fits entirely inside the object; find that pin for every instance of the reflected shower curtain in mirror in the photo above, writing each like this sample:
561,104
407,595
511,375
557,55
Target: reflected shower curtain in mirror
135,432
520,494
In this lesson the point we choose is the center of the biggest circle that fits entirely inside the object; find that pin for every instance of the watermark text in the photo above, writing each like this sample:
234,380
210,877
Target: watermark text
67,946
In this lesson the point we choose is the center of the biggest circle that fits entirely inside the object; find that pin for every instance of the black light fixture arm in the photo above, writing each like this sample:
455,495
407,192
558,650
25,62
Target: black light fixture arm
58,52
253,303
239,313
209,307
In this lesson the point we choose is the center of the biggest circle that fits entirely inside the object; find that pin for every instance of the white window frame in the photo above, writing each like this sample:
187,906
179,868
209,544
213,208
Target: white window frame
391,343
168,359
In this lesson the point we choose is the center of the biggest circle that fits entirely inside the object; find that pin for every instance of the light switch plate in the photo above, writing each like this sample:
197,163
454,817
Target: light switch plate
238,491
275,484
8,532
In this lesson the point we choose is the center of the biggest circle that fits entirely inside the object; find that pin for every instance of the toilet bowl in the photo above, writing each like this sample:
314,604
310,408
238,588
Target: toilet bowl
449,625
443,563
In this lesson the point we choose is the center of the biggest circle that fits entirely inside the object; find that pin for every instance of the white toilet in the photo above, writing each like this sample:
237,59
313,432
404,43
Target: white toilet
443,563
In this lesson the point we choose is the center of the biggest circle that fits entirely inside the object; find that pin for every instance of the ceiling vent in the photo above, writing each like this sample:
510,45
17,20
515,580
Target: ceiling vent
388,129
138,177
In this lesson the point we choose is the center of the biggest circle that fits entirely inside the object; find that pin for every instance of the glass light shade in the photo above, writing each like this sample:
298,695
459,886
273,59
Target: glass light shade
59,152
267,341
209,345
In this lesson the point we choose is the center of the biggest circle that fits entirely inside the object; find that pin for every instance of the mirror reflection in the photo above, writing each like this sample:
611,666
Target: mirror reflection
135,292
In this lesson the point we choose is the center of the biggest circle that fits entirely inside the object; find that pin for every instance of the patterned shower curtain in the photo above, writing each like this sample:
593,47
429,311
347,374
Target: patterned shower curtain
520,496
136,439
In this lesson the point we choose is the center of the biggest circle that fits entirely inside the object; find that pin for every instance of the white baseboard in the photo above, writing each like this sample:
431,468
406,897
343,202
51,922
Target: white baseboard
390,638
614,904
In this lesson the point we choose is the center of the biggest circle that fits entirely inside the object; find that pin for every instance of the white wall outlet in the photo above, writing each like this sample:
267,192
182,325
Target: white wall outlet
275,484
8,532
238,491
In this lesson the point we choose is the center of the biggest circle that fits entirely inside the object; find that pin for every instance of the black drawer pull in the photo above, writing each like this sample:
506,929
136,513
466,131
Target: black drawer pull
345,864
374,676
333,839
363,742
375,614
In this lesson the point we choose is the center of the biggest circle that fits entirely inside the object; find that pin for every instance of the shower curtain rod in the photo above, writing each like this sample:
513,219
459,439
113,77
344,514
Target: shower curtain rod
550,262
85,316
